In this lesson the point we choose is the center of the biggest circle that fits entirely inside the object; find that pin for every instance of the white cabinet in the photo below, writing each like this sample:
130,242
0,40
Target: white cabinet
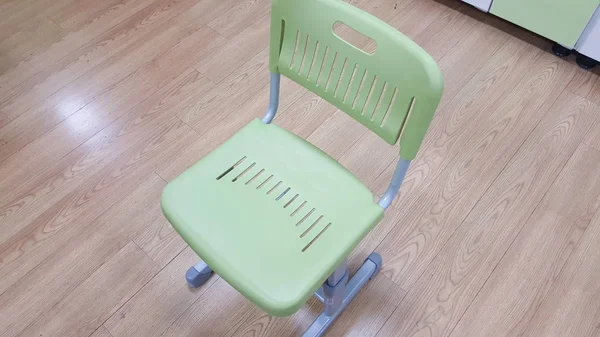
589,42
484,5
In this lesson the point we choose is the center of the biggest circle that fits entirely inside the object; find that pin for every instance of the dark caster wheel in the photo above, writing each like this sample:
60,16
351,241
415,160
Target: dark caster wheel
561,51
586,62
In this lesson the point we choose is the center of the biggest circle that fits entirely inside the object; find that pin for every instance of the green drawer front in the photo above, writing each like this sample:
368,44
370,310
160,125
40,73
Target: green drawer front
562,21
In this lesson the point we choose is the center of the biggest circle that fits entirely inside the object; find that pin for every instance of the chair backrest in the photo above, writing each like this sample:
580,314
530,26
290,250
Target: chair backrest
394,91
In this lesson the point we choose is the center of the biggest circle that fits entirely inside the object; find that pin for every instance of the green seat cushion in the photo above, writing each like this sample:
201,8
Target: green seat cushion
271,214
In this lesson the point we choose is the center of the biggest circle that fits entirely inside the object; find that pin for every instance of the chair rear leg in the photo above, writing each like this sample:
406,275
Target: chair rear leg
336,297
198,274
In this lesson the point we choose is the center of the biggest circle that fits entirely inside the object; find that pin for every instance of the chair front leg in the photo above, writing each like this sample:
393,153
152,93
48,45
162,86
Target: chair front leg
337,293
198,274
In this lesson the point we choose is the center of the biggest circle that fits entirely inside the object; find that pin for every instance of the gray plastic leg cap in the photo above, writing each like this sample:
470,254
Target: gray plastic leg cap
195,278
377,260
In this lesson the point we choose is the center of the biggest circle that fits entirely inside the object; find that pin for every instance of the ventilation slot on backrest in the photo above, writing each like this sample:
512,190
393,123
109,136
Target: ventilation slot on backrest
342,79
369,95
295,50
389,107
410,109
352,76
327,69
360,86
366,86
312,53
336,70
306,219
379,101
318,69
304,54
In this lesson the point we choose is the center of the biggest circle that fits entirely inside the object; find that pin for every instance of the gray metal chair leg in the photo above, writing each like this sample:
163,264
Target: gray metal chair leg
198,274
329,293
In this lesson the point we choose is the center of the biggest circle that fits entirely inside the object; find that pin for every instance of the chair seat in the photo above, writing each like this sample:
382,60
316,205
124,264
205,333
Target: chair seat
271,214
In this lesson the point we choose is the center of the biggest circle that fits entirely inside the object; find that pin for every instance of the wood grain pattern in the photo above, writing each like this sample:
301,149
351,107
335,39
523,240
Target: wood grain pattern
154,73
137,32
435,215
249,42
455,122
20,46
594,94
96,195
241,318
160,241
23,200
103,102
239,17
522,279
571,306
440,295
582,83
81,13
54,270
160,302
89,305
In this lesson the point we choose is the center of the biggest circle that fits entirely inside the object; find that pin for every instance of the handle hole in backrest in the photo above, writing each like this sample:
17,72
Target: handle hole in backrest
354,38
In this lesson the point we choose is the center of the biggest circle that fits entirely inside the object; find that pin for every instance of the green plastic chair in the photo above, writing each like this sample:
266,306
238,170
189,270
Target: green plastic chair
272,214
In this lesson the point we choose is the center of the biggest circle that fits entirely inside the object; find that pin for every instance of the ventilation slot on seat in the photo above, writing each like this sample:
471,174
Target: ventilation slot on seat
243,172
299,208
304,218
311,227
231,168
316,237
307,221
283,194
291,200
264,182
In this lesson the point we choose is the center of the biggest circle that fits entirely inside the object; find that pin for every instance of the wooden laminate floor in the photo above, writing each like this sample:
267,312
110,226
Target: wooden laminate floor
496,232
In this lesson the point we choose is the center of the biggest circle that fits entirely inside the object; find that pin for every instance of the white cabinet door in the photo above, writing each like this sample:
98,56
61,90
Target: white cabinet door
484,5
589,42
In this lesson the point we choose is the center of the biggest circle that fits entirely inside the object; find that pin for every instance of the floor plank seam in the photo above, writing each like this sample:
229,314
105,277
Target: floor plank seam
508,162
392,312
158,175
525,221
101,327
104,64
57,250
500,260
57,26
25,79
57,302
100,36
160,269
566,262
148,256
216,32
230,72
183,312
